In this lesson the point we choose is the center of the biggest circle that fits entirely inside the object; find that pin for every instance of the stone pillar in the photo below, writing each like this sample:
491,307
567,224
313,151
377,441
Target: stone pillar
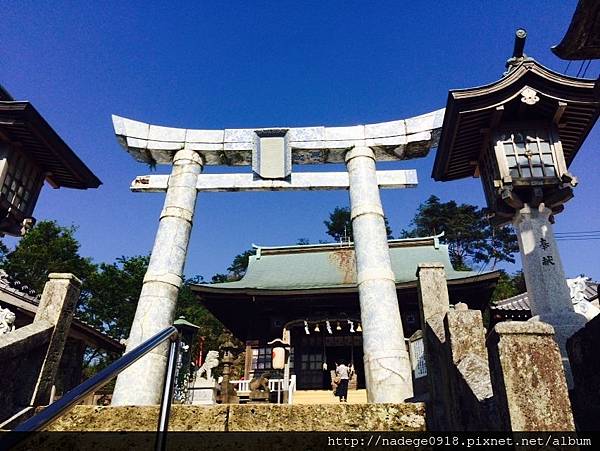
141,383
547,289
528,379
57,306
434,304
387,364
471,405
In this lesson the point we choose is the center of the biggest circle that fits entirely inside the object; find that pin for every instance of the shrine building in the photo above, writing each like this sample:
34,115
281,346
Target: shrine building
311,291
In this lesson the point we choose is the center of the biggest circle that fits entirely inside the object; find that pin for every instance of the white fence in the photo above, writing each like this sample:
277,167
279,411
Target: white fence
277,385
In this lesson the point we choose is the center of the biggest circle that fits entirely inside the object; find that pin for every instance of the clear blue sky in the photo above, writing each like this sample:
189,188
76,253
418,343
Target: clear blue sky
259,64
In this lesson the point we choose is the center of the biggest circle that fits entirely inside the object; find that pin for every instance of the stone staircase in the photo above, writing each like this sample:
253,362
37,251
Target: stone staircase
327,397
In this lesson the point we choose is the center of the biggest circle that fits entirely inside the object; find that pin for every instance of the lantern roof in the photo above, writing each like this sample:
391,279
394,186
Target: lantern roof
528,91
21,123
182,322
582,39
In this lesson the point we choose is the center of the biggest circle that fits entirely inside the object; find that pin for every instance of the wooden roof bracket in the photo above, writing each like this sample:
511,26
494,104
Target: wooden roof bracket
560,109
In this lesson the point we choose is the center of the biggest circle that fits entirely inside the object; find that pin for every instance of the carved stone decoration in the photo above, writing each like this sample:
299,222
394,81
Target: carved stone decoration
577,288
212,361
7,319
529,96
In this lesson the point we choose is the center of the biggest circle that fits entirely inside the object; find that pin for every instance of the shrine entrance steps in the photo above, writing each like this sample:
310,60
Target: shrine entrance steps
327,397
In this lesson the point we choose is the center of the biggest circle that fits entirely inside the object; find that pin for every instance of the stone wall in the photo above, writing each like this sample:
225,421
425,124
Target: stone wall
473,407
528,378
585,364
22,354
514,382
30,355
70,370
249,418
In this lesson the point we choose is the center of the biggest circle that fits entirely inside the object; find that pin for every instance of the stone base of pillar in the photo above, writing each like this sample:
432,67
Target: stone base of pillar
388,376
565,325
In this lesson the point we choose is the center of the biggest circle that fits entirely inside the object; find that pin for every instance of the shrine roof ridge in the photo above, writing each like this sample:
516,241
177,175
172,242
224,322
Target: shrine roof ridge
331,267
391,140
432,240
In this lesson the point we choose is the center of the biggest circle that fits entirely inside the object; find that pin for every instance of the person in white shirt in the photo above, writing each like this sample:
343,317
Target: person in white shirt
343,372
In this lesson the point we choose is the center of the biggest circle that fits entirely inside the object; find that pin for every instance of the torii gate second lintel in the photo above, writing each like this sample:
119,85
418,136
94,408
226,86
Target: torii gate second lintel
271,152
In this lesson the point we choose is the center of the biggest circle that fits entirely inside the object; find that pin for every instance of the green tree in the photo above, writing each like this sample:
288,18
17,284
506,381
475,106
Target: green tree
47,248
509,286
236,270
3,253
470,237
110,300
339,225
111,295
188,306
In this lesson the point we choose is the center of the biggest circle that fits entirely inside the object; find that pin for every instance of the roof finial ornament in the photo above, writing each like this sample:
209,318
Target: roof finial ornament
518,55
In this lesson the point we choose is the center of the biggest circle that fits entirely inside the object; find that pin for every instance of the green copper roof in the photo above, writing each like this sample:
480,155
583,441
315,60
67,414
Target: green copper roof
333,265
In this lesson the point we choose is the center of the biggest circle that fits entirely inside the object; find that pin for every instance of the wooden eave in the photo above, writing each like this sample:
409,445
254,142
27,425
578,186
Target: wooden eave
582,39
238,309
21,123
469,112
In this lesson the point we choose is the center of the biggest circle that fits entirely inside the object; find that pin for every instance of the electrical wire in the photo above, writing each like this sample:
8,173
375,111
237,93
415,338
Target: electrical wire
580,67
586,68
567,69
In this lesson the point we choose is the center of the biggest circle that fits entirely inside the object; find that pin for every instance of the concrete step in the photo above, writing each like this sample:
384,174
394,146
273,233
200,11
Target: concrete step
327,397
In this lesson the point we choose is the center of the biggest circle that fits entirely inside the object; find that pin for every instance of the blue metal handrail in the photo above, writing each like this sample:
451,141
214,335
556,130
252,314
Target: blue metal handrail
58,408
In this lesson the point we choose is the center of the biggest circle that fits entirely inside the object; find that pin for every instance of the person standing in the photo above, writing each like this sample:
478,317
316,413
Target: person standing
343,373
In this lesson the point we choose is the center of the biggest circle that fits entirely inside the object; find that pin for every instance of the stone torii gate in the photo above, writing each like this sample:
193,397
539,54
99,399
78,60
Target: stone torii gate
271,153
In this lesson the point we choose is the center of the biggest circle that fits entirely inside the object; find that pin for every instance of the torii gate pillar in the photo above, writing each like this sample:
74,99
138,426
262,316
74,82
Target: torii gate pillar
388,373
141,384
271,153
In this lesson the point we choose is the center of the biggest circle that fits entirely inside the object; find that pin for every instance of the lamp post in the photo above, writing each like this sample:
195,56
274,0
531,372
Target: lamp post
187,332
519,135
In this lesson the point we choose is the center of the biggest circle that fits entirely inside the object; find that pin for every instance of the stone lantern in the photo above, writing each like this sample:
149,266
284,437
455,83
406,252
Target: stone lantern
30,153
188,333
520,135
228,393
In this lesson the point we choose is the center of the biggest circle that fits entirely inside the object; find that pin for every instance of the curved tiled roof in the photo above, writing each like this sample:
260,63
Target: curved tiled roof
520,302
331,266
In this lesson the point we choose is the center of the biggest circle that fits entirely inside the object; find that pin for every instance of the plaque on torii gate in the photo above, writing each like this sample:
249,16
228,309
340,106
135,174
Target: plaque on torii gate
271,153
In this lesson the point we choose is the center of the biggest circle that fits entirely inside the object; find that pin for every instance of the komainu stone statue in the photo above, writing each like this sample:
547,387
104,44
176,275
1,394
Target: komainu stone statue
259,388
212,361
260,384
7,320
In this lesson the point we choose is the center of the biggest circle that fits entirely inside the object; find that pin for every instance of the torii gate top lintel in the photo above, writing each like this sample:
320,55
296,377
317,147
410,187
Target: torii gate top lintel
390,141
